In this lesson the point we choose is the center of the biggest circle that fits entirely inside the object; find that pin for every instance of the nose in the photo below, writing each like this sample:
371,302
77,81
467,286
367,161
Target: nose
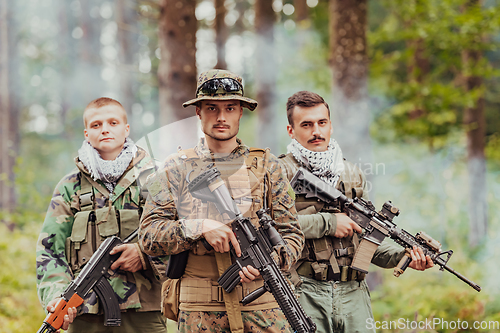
221,117
105,128
315,129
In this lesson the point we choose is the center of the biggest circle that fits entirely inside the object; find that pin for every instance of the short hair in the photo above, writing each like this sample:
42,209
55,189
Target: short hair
99,103
304,99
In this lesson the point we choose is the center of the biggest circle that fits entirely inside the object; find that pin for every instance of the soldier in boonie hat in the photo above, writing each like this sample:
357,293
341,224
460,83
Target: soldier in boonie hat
219,84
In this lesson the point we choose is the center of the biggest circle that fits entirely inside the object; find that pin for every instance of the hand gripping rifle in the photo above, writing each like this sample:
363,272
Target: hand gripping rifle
93,276
377,226
256,247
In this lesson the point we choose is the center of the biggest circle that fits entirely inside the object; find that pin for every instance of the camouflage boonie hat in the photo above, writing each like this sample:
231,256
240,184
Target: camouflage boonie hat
221,94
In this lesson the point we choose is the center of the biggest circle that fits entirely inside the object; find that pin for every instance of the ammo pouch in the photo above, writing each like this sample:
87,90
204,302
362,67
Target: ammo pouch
92,227
170,292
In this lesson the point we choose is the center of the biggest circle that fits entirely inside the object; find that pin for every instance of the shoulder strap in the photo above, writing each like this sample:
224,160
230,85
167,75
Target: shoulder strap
86,194
258,162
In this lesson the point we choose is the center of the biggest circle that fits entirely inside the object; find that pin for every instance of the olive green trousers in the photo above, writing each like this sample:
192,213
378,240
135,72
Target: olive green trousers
336,306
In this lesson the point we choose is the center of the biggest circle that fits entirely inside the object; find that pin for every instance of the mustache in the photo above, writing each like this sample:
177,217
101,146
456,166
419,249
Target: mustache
221,125
316,137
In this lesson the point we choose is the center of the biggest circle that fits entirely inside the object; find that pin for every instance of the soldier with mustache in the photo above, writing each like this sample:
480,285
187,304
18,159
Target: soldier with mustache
334,295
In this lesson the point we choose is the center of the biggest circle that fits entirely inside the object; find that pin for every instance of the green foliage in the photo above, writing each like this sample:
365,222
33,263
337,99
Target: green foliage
428,189
418,64
432,295
20,310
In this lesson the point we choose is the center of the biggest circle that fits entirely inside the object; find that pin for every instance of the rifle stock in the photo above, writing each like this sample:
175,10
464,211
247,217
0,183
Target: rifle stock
377,226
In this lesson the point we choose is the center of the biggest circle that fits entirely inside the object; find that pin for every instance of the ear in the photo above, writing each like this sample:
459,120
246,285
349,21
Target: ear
241,111
127,129
198,112
291,132
86,134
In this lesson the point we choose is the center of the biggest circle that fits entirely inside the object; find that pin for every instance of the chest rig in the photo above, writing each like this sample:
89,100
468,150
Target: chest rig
102,215
245,179
328,258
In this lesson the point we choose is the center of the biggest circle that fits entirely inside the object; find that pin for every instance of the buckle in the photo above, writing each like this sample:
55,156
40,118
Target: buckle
341,252
86,200
217,294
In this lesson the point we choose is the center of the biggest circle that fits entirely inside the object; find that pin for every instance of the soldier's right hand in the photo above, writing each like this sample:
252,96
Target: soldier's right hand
68,318
219,235
345,226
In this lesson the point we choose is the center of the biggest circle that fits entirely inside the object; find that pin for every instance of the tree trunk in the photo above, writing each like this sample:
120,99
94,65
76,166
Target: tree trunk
68,54
177,69
475,124
126,19
349,63
221,32
92,85
301,10
9,137
265,75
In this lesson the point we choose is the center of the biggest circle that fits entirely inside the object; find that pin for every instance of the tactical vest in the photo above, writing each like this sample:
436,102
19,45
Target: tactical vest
199,290
93,225
328,258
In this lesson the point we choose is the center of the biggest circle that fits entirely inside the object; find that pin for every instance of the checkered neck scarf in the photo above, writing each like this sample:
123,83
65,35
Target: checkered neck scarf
108,171
327,165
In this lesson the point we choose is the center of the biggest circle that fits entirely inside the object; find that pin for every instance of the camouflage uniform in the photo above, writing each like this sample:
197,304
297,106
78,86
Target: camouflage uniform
167,228
335,306
59,259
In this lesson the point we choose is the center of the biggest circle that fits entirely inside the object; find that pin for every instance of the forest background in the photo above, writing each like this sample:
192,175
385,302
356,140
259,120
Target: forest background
413,87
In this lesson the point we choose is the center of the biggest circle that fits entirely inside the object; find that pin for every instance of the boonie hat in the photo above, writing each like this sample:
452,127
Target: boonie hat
219,84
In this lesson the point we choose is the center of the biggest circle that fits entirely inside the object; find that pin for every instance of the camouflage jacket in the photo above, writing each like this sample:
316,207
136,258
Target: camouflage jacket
55,266
167,229
316,224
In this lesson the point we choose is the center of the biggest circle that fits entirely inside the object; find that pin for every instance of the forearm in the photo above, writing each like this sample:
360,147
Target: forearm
388,255
319,225
53,271
285,216
160,236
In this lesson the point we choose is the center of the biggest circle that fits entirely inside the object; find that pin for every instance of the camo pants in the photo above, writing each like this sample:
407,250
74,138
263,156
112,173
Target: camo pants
132,322
336,307
272,321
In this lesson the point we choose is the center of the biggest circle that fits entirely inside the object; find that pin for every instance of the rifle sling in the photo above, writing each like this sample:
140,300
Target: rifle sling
231,300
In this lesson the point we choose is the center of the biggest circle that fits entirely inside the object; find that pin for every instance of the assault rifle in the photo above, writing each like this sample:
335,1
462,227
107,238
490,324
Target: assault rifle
377,226
256,247
93,276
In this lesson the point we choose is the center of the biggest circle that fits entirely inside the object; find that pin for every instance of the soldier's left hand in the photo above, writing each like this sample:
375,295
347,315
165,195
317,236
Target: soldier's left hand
420,262
248,274
129,260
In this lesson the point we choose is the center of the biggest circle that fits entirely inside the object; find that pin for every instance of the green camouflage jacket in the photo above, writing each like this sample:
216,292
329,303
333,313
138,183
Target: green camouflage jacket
55,252
167,229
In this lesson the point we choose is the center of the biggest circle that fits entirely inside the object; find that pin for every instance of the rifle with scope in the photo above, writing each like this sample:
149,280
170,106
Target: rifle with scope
377,226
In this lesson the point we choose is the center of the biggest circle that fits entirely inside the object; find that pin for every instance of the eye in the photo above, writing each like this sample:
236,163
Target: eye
230,108
95,125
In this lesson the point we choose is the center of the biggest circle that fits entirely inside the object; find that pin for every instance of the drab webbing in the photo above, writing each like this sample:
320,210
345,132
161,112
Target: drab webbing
230,299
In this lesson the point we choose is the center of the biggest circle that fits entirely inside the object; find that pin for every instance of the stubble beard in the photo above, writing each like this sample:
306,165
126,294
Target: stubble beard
219,138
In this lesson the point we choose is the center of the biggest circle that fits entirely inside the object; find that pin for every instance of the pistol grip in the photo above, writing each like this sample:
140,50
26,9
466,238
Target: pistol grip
402,265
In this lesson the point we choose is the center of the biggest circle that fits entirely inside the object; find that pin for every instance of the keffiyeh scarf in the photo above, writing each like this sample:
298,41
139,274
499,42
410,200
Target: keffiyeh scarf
107,171
327,165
